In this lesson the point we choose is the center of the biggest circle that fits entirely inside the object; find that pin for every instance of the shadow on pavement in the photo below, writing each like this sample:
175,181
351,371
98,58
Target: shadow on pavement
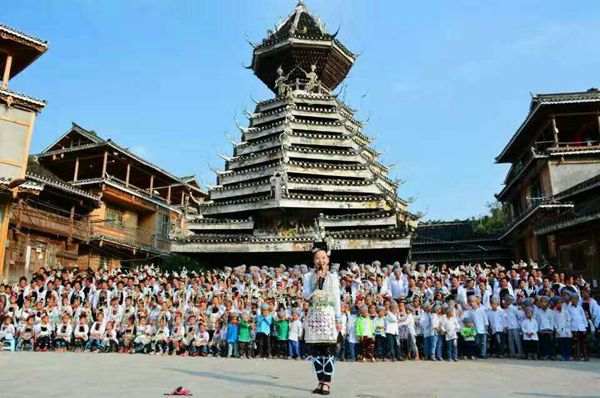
239,380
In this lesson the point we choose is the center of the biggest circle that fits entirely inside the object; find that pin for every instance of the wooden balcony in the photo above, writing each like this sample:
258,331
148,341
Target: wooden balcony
50,223
131,237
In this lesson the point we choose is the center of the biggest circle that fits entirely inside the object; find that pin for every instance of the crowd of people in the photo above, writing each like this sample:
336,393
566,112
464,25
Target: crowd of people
392,312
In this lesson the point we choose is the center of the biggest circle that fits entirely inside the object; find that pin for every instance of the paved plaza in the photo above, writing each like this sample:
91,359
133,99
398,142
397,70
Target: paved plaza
118,375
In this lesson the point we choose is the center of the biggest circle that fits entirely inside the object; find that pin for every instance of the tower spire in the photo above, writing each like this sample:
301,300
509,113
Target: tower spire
298,43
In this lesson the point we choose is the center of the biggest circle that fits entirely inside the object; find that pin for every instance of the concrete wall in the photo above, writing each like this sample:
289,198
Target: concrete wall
15,136
565,175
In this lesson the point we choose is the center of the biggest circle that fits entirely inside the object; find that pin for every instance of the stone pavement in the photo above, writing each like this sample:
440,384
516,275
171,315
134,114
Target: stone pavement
82,375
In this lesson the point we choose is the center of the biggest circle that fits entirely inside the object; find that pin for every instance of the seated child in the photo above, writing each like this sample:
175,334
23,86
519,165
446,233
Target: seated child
26,335
109,340
81,333
161,337
200,344
143,336
128,335
191,330
7,332
43,333
64,331
94,343
178,335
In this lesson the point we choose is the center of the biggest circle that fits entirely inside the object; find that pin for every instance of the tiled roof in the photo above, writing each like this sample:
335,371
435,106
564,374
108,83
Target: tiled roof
37,104
37,172
23,35
591,95
539,100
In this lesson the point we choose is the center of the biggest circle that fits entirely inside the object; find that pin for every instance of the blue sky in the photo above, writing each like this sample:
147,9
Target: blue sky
443,84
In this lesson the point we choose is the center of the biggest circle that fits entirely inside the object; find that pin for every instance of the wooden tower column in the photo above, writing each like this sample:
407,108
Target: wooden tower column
6,74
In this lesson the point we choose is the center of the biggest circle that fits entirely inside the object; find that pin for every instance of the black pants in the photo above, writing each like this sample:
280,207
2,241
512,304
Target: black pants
498,343
245,349
263,344
546,344
469,348
380,346
340,347
393,350
43,342
282,348
324,366
531,347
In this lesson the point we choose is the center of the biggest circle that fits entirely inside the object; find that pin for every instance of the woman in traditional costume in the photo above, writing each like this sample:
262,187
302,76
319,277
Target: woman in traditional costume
321,289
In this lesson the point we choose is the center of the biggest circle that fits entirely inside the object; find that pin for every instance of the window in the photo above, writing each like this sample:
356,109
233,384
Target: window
536,191
114,217
543,247
164,226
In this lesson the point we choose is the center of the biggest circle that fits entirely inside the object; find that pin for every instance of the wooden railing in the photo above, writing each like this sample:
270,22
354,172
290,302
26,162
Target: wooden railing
42,220
143,238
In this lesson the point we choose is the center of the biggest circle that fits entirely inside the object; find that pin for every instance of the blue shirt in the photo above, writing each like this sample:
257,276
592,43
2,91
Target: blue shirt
264,324
232,332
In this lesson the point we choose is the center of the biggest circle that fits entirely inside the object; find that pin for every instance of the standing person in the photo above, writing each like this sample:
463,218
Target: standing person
513,317
578,328
529,326
437,333
451,328
380,340
391,333
282,328
232,336
321,289
562,327
545,319
365,333
245,335
263,331
295,333
480,321
425,324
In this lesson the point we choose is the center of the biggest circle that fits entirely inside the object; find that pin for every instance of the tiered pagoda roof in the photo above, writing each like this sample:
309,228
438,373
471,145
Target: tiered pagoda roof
303,170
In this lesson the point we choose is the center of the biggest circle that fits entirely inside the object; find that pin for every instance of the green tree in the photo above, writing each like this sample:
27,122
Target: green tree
493,223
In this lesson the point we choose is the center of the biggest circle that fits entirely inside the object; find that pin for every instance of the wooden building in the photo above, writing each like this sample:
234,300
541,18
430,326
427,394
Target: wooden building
303,170
18,111
552,185
140,203
50,222
455,243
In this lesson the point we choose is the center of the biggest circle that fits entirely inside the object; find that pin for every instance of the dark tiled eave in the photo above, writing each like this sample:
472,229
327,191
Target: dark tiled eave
38,43
540,100
586,185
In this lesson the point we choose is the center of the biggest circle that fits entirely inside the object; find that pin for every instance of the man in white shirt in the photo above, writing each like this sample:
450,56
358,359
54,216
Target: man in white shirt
578,328
497,319
480,323
545,319
397,284
513,317
562,327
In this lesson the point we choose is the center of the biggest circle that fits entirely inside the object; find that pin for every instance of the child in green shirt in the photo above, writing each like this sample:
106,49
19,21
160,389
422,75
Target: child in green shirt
468,334
245,336
365,333
281,330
